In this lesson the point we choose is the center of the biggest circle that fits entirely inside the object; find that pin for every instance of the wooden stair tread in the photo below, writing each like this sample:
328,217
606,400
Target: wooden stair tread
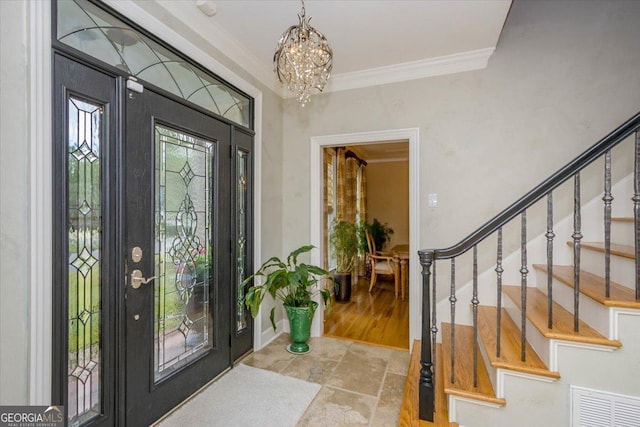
622,219
510,352
562,319
592,286
625,251
409,409
463,366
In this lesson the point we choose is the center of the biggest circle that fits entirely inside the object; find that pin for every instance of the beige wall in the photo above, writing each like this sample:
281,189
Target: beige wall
388,198
564,74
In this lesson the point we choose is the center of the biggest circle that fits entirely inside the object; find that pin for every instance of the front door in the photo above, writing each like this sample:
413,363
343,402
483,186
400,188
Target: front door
177,207
152,223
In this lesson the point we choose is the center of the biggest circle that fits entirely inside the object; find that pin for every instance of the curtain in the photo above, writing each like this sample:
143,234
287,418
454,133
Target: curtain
341,190
351,190
362,193
328,198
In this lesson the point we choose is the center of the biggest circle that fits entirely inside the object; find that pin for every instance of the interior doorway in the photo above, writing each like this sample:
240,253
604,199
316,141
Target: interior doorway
359,142
368,185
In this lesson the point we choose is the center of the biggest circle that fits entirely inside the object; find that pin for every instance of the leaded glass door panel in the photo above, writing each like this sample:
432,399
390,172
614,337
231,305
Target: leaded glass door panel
85,271
177,206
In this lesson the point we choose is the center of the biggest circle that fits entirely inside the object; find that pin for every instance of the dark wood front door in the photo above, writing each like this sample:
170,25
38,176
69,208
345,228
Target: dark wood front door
178,263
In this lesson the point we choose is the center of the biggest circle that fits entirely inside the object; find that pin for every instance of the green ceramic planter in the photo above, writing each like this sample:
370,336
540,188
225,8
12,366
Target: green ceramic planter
300,324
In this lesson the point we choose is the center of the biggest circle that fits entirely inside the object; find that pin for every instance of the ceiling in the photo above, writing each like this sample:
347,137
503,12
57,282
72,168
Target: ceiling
382,152
374,42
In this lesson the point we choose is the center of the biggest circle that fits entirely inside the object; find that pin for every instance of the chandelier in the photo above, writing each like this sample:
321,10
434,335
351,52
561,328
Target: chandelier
303,59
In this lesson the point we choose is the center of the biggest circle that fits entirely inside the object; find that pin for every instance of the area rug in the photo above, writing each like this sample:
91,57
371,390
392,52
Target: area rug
246,396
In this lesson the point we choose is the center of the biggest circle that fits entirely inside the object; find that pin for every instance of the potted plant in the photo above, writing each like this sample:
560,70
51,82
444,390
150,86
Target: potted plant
381,233
344,240
295,284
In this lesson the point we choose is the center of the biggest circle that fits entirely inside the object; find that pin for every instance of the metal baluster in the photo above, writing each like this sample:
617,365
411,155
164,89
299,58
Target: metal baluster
499,270
636,211
577,236
607,198
452,300
523,286
434,324
475,303
550,235
426,404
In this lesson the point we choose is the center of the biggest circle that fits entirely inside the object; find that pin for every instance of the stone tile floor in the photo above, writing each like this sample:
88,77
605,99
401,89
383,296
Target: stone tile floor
362,384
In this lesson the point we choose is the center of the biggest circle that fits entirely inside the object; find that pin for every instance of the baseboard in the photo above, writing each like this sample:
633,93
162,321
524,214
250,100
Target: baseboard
270,335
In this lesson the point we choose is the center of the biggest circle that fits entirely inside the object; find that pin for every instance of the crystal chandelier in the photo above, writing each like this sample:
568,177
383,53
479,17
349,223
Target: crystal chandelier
303,59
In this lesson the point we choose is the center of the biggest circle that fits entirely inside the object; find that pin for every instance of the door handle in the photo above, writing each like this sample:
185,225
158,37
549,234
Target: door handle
137,280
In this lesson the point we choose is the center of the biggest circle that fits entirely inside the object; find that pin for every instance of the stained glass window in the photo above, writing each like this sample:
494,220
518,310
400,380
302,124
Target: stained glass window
89,29
242,168
84,242
183,252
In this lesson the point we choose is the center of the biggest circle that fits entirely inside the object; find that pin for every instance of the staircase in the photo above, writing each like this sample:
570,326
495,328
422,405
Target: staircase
549,335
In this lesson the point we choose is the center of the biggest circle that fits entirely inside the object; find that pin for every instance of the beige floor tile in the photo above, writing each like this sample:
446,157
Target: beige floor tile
274,357
372,352
329,348
399,362
333,407
310,368
360,371
388,409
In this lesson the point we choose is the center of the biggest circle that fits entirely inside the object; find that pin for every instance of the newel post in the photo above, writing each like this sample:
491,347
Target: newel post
426,386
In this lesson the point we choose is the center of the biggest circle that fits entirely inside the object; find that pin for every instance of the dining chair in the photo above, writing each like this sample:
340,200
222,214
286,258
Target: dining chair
380,263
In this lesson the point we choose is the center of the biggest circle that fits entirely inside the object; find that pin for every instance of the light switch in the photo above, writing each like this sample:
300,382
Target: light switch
432,200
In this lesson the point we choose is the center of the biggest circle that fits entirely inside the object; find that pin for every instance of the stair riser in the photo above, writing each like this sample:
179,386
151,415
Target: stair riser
622,233
622,269
539,342
593,313
493,372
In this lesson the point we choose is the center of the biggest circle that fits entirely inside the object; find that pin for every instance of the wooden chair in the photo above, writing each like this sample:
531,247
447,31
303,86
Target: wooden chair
381,263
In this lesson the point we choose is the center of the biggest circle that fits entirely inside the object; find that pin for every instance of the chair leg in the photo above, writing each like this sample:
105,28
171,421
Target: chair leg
396,277
373,279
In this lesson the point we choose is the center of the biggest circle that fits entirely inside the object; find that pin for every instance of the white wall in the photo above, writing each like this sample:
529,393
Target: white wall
564,74
14,204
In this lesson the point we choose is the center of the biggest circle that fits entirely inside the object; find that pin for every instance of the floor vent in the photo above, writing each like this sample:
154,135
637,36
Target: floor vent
594,408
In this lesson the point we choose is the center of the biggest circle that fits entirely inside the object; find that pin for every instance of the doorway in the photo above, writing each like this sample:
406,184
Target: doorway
353,139
368,185
150,193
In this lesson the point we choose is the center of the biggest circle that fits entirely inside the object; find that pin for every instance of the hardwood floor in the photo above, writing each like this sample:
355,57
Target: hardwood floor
375,318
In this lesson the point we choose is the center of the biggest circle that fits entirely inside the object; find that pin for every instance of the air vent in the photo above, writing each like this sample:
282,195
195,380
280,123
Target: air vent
594,408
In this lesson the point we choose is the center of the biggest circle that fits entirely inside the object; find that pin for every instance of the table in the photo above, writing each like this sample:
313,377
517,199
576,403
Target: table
400,255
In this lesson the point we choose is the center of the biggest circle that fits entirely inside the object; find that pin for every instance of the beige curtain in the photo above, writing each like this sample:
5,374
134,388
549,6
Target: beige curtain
341,190
362,213
329,196
362,208
351,190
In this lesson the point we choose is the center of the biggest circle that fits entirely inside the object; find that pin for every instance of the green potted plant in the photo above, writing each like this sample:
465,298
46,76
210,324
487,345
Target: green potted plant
381,233
344,240
295,285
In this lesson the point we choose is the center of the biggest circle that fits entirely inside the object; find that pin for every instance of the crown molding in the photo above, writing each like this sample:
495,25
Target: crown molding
441,65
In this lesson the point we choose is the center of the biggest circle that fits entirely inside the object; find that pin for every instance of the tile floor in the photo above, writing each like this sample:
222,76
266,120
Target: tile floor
361,384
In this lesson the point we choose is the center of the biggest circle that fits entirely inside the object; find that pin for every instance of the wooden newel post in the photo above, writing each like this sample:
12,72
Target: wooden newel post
426,386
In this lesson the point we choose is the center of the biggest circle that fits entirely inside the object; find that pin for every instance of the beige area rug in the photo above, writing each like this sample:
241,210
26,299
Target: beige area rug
246,396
